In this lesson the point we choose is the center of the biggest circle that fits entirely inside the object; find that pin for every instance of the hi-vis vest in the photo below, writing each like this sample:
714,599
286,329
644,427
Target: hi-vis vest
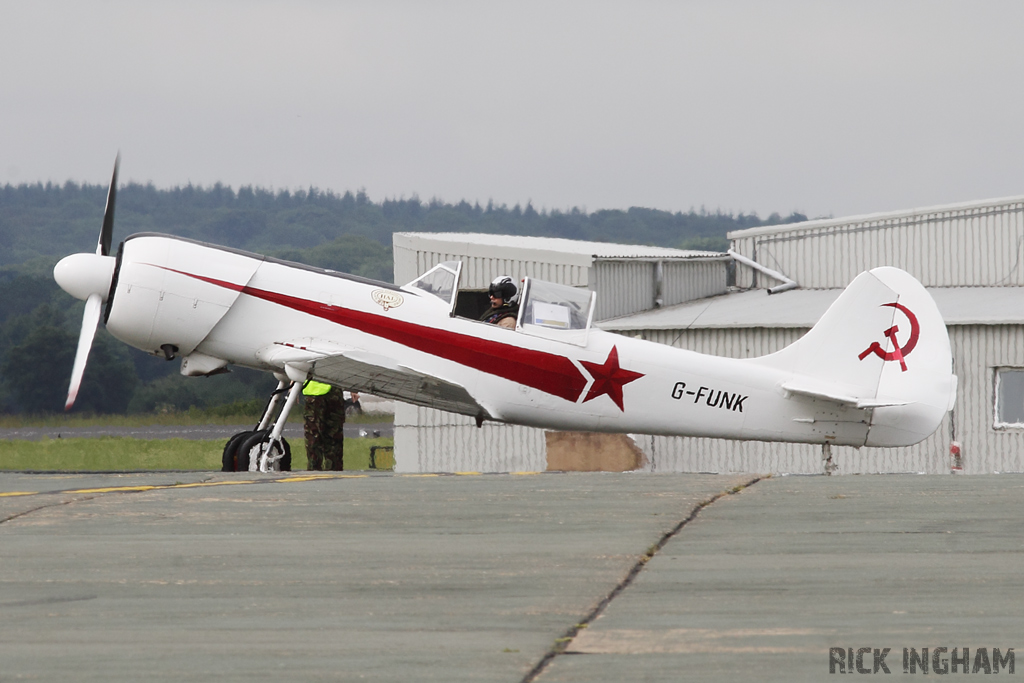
312,388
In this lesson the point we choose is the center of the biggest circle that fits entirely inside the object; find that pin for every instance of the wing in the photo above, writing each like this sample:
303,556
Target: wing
356,370
381,376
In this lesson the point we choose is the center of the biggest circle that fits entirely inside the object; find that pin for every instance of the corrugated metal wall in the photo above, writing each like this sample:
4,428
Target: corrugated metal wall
622,287
477,273
977,350
979,245
429,440
626,287
693,279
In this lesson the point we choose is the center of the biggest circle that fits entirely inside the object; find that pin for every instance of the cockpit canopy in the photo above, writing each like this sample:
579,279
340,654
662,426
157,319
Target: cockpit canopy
442,281
555,311
546,309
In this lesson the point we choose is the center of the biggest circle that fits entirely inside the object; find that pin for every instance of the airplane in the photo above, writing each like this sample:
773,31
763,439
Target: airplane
876,369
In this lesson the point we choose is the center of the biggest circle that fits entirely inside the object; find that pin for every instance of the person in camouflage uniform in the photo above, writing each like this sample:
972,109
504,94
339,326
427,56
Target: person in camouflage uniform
324,415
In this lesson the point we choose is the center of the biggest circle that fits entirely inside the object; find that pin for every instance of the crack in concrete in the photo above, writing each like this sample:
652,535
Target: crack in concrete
43,507
562,642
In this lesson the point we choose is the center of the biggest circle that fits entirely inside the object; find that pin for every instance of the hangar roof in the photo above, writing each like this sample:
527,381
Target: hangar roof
978,204
481,244
803,308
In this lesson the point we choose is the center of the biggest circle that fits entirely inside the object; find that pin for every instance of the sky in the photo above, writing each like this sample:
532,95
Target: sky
826,108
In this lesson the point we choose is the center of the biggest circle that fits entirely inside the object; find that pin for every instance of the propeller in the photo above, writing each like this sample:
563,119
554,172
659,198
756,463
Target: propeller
90,321
107,231
88,277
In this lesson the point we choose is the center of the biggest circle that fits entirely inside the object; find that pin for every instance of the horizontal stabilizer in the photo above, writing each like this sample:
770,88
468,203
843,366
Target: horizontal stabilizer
804,387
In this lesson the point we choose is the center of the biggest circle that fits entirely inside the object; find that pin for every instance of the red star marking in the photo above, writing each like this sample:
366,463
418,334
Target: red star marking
609,378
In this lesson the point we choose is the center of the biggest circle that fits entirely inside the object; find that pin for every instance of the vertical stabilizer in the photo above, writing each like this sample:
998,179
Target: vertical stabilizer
882,347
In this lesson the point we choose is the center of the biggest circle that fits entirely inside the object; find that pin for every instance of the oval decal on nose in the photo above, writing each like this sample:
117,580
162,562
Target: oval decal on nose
387,299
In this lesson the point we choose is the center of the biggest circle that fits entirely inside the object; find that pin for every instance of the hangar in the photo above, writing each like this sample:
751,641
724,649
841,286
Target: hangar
968,255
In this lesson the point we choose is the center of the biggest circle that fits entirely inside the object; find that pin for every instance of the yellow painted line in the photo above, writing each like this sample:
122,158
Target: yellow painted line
230,482
199,484
315,477
164,487
113,489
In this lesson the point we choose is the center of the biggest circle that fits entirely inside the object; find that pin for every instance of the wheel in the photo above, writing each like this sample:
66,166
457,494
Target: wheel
251,447
228,459
248,447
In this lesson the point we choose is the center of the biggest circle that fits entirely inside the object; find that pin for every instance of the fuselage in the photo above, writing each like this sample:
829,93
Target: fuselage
210,302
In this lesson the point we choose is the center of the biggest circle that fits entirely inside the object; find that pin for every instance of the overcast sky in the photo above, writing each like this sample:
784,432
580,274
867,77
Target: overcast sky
819,107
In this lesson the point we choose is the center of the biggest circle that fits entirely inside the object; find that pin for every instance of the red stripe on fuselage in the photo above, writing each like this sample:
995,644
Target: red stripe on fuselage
550,373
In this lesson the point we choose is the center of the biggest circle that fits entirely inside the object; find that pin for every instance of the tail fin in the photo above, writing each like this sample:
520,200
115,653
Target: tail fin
881,346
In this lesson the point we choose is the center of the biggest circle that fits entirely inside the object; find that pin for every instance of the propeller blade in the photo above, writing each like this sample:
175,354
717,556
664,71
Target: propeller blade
89,323
107,232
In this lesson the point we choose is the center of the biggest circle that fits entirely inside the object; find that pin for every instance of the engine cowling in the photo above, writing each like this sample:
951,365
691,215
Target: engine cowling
171,292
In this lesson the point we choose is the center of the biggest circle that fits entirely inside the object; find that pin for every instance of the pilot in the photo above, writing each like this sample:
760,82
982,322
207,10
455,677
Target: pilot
504,309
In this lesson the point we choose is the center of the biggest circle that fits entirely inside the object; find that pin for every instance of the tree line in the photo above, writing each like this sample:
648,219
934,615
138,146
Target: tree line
40,223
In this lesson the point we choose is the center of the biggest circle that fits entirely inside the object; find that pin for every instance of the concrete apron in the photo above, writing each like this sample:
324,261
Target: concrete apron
498,577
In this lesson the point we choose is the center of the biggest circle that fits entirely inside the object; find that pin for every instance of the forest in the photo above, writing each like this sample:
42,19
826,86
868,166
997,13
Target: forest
40,223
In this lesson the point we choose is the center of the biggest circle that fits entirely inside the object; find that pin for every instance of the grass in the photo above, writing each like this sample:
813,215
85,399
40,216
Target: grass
124,453
357,454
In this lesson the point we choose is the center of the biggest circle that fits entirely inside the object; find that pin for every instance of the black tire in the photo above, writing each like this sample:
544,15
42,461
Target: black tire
228,459
286,459
252,443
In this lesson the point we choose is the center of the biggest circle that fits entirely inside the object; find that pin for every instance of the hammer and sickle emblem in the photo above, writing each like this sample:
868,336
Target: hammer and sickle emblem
897,353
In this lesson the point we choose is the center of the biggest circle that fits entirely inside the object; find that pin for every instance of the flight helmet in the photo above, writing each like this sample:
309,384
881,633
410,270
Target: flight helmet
503,286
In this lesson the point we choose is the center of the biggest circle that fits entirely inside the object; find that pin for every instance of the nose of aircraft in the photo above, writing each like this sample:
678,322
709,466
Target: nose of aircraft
82,275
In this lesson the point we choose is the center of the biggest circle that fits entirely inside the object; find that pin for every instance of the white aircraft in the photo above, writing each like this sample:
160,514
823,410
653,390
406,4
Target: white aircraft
876,370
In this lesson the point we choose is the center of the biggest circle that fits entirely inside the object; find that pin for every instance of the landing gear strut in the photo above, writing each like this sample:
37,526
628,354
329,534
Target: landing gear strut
263,449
